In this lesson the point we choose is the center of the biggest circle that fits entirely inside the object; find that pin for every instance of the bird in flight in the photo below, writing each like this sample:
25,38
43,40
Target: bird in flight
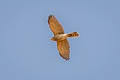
60,37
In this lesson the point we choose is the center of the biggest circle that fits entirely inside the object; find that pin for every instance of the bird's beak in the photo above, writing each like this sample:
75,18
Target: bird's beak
51,39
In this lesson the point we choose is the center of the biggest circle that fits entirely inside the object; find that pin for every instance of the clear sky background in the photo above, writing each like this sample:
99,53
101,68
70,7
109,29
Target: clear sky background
26,52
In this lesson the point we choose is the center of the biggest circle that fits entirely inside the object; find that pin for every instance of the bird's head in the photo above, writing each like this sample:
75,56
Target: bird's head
53,39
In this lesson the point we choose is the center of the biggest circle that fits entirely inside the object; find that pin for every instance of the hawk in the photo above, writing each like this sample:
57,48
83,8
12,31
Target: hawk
60,37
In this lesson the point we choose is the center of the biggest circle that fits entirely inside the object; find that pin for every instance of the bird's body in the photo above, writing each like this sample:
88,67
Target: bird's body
60,37
64,36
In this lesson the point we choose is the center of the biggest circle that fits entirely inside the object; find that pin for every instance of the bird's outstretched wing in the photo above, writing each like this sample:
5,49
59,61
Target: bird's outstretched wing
63,48
55,26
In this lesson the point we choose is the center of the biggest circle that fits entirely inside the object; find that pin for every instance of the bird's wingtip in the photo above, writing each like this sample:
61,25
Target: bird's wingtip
49,17
65,57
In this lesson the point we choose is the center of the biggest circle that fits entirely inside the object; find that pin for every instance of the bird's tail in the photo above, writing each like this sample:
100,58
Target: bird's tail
73,34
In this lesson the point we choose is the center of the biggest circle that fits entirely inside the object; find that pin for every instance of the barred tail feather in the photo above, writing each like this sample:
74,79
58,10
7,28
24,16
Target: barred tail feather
73,34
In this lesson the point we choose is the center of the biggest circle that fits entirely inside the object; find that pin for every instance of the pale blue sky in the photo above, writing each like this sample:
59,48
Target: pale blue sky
25,54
